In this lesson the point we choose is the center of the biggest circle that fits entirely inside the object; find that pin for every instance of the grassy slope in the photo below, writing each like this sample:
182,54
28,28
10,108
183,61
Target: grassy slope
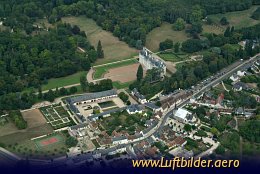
113,48
63,81
239,19
161,33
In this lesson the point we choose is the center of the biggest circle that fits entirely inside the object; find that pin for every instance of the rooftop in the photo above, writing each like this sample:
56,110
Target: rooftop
90,96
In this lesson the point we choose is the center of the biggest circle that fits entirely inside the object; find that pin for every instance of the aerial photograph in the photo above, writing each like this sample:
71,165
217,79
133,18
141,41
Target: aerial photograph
130,86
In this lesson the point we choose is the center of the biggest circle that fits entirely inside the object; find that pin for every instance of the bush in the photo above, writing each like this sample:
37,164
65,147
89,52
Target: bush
167,44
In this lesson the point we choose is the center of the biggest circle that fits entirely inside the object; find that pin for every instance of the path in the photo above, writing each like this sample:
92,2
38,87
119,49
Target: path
224,86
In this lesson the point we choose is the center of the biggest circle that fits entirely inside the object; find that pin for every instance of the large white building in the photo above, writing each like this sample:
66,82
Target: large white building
182,115
150,60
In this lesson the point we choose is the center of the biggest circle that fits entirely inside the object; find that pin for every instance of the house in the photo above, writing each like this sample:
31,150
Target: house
239,86
141,98
77,130
241,73
182,115
234,78
242,112
135,109
153,107
96,117
119,140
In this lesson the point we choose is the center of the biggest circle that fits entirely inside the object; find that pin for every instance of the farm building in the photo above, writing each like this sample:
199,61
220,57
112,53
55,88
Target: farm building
92,97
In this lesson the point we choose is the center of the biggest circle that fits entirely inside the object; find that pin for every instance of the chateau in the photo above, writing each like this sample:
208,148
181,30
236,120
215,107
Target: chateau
151,60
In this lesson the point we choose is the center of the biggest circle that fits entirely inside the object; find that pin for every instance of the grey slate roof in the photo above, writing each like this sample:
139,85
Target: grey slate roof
91,96
92,117
134,108
118,138
151,105
78,126
138,95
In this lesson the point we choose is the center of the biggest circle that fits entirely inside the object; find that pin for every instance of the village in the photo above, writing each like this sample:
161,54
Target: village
116,125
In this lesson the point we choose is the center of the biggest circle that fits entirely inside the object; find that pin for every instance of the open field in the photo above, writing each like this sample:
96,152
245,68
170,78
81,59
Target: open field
12,135
101,70
114,49
37,126
239,19
212,29
119,85
123,74
57,116
64,81
161,33
35,148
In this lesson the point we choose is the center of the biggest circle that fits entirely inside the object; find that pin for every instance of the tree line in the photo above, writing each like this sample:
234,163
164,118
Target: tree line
115,16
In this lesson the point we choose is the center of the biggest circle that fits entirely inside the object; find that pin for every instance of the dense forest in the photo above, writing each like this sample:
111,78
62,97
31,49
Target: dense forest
30,58
130,20
29,61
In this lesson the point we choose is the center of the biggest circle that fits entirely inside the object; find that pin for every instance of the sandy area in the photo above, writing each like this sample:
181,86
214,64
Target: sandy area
123,74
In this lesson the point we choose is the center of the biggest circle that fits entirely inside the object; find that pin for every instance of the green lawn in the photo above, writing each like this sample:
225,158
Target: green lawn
119,85
64,81
114,49
173,57
101,70
239,19
161,33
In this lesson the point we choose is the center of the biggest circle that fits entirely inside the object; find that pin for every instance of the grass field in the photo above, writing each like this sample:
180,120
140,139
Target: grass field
239,19
64,81
161,33
48,141
101,70
114,49
31,148
119,85
173,57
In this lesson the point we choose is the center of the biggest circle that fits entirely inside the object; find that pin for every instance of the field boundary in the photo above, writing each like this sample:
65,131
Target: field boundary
113,62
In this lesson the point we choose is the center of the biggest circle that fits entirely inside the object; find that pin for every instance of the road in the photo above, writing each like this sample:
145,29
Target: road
225,73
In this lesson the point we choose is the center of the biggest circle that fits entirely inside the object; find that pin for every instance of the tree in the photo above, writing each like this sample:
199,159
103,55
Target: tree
71,142
214,131
139,74
224,21
83,83
123,97
40,92
73,90
177,47
220,150
256,14
227,32
191,45
75,29
196,14
100,52
167,44
187,127
179,24
50,96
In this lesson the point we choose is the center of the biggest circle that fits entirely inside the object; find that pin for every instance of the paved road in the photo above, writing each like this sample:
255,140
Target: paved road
218,78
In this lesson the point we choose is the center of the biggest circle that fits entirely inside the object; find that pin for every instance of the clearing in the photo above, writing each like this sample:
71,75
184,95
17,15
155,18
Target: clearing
114,49
239,19
161,33
100,71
